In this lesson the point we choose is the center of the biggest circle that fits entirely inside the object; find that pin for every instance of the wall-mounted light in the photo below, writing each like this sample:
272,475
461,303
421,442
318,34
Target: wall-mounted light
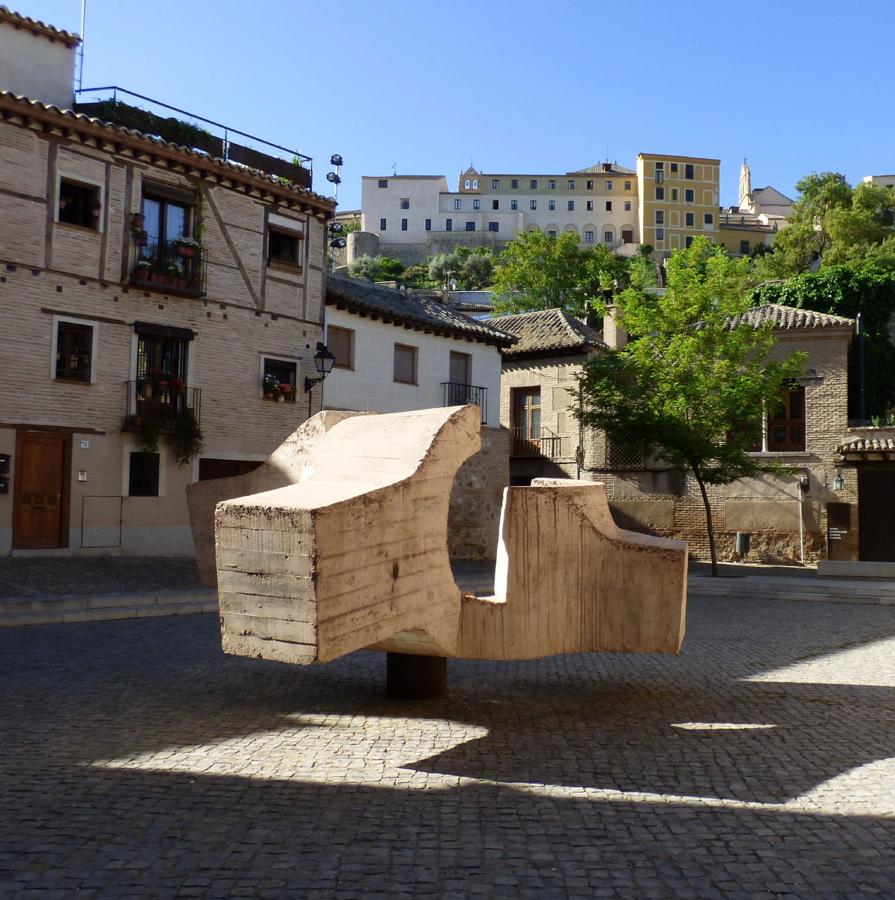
838,481
323,363
804,483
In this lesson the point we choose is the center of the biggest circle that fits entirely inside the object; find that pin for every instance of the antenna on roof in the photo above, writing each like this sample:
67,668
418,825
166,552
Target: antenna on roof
394,168
81,48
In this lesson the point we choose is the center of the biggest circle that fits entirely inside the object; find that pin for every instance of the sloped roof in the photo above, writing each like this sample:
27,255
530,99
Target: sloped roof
411,310
548,332
37,27
771,191
15,104
859,448
790,318
597,169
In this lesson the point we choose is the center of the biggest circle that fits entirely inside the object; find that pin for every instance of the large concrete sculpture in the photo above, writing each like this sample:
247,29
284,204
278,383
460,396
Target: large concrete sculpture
351,553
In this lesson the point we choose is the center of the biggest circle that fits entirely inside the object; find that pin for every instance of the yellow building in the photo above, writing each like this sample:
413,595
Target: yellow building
678,199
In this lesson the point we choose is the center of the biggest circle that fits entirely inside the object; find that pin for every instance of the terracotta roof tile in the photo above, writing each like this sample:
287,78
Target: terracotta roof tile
38,27
789,317
546,332
867,445
407,308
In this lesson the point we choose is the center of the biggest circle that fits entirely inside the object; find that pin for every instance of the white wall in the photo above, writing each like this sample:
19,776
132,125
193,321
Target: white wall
371,386
32,65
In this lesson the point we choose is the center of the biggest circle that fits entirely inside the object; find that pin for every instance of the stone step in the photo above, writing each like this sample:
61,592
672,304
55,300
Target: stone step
105,607
794,589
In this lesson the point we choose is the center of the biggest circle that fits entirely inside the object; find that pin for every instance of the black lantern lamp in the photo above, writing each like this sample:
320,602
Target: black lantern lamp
323,363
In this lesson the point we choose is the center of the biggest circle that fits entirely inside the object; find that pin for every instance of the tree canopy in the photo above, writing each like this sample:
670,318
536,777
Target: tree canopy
469,268
688,386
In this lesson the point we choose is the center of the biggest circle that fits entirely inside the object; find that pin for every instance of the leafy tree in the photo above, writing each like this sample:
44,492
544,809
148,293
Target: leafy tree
536,271
846,291
376,268
469,268
689,386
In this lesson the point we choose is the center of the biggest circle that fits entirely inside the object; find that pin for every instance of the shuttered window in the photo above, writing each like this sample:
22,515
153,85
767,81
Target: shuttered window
405,364
340,342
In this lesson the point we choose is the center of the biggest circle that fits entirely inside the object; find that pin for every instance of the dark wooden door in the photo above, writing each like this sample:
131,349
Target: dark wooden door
40,493
876,514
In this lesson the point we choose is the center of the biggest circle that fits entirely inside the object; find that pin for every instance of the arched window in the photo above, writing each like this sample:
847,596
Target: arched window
475,184
466,184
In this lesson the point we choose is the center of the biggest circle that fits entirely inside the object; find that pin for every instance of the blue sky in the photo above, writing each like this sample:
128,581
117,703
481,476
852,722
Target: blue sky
515,86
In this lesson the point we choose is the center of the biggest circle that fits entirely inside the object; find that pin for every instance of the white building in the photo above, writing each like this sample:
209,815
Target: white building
415,216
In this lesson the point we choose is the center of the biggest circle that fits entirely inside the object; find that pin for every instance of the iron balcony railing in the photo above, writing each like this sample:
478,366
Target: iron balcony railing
160,400
170,266
273,159
543,443
457,394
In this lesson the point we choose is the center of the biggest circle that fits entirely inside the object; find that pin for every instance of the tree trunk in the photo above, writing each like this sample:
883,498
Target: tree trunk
708,519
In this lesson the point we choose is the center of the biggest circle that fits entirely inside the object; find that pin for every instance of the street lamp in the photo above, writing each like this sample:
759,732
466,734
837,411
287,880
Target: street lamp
323,363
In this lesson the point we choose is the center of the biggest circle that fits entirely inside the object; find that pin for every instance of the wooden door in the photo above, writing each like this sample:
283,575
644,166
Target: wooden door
460,366
876,503
40,502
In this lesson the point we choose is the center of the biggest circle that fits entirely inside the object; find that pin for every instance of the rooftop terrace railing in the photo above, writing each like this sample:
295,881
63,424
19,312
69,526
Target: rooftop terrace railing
274,159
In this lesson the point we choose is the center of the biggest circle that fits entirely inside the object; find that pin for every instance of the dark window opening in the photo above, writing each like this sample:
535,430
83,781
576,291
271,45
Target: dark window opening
282,247
689,171
279,380
143,475
470,226
79,204
74,347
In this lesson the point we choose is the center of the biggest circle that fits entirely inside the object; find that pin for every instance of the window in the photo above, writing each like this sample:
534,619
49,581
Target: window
570,205
627,185
660,234
660,217
448,224
495,204
405,364
428,224
525,412
590,185
660,166
533,184
514,183
470,226
383,183
608,185
466,184
475,184
627,206
674,167
660,176
689,219
282,247
514,204
708,219
167,215
143,469
786,423
588,237
744,248
532,204
278,379
689,195
382,224
493,226
688,240
608,206
551,204
403,224
340,342
674,194
660,193
405,203
551,184
571,184
495,184
161,358
608,237
74,351
457,203
590,205
551,232
477,204
689,171
79,204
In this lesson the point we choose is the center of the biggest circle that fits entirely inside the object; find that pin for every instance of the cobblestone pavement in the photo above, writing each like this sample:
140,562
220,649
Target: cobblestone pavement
136,759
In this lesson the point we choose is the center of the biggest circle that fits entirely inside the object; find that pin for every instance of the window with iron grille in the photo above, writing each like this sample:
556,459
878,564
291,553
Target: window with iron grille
74,351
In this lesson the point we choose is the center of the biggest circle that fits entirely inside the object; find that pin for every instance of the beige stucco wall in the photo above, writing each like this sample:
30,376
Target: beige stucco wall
36,66
48,269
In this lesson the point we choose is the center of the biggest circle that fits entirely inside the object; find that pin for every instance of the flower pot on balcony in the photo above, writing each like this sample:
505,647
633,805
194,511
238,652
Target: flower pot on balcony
185,252
281,398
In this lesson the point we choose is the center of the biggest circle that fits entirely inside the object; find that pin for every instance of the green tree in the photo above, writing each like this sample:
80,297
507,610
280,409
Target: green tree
536,271
376,268
691,384
470,268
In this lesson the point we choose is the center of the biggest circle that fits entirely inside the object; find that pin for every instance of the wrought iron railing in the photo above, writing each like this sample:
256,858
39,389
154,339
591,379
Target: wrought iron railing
457,394
168,265
161,401
543,443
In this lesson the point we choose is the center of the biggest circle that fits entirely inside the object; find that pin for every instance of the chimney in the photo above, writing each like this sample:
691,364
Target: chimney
614,334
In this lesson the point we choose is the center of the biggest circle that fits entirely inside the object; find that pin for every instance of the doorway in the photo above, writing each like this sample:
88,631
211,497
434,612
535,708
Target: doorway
876,501
40,503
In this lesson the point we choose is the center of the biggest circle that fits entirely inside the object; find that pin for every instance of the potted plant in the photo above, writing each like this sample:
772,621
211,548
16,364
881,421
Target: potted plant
271,386
144,268
186,247
177,385
287,392
175,273
147,435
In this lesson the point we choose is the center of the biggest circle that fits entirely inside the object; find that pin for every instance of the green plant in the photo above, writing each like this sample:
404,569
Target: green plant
186,438
147,435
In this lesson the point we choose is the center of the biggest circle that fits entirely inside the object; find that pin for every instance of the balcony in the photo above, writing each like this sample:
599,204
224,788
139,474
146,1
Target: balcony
171,267
547,444
457,394
161,402
210,137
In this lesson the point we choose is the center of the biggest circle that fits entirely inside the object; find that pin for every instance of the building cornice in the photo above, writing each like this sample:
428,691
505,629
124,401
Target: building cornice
35,26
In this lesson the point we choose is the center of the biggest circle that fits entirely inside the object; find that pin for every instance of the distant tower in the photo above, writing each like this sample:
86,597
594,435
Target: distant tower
745,186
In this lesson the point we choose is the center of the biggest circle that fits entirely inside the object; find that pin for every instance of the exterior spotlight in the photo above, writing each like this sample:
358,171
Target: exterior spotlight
335,160
336,228
338,243
333,178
